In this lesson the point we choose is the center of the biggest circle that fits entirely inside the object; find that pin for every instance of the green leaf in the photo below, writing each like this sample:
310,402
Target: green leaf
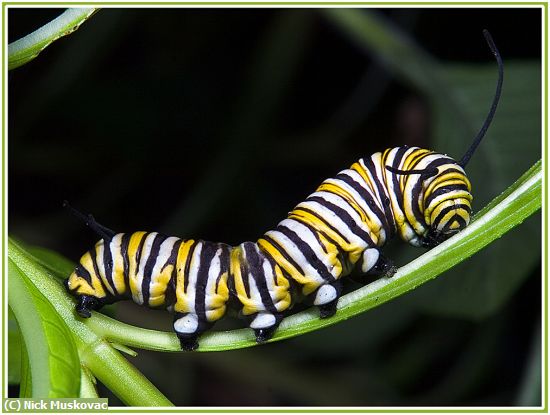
53,359
60,266
31,281
27,48
14,350
25,387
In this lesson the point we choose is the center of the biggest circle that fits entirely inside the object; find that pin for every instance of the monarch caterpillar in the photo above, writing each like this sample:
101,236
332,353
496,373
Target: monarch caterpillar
420,195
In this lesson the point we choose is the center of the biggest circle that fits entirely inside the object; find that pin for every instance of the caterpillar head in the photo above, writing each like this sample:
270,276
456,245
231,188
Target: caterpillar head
447,204
85,286
84,283
445,189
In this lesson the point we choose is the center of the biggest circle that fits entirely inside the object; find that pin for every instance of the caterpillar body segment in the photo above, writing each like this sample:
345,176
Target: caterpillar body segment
187,277
337,230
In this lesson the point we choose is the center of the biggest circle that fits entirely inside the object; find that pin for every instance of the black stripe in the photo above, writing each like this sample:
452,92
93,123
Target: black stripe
280,249
139,251
417,188
257,273
188,265
96,270
82,272
328,225
442,190
388,214
108,264
224,263
243,265
208,252
317,236
316,233
345,217
149,265
124,243
395,177
274,264
170,294
368,198
456,218
446,210
308,252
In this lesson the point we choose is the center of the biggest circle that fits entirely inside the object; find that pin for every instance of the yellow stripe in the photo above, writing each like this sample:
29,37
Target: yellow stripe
361,171
337,190
446,179
249,305
308,285
157,288
354,251
87,263
462,197
414,158
217,299
312,220
215,314
182,303
283,299
80,286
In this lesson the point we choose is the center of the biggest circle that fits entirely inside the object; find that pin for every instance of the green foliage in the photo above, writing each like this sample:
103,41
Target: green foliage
53,360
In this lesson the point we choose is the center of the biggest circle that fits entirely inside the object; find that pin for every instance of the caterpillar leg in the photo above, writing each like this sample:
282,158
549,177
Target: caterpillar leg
264,325
373,262
188,328
326,298
87,303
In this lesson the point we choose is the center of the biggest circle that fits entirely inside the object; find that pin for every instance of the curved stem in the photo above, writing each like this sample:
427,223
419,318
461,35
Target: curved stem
27,48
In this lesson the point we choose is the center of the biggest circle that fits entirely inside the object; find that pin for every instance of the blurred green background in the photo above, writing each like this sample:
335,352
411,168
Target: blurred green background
214,123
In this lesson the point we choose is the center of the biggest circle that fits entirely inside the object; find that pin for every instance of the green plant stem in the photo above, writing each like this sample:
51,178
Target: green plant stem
95,352
27,48
508,210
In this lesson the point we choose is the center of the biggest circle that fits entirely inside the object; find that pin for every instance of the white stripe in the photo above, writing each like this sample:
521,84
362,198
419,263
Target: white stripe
268,273
145,252
306,235
252,287
214,269
360,201
118,261
192,277
99,249
296,254
376,159
337,200
335,221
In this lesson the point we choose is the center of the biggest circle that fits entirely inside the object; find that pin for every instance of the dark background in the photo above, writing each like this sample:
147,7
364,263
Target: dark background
213,124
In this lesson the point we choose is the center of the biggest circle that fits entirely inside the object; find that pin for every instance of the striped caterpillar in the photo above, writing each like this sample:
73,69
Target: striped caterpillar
422,196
